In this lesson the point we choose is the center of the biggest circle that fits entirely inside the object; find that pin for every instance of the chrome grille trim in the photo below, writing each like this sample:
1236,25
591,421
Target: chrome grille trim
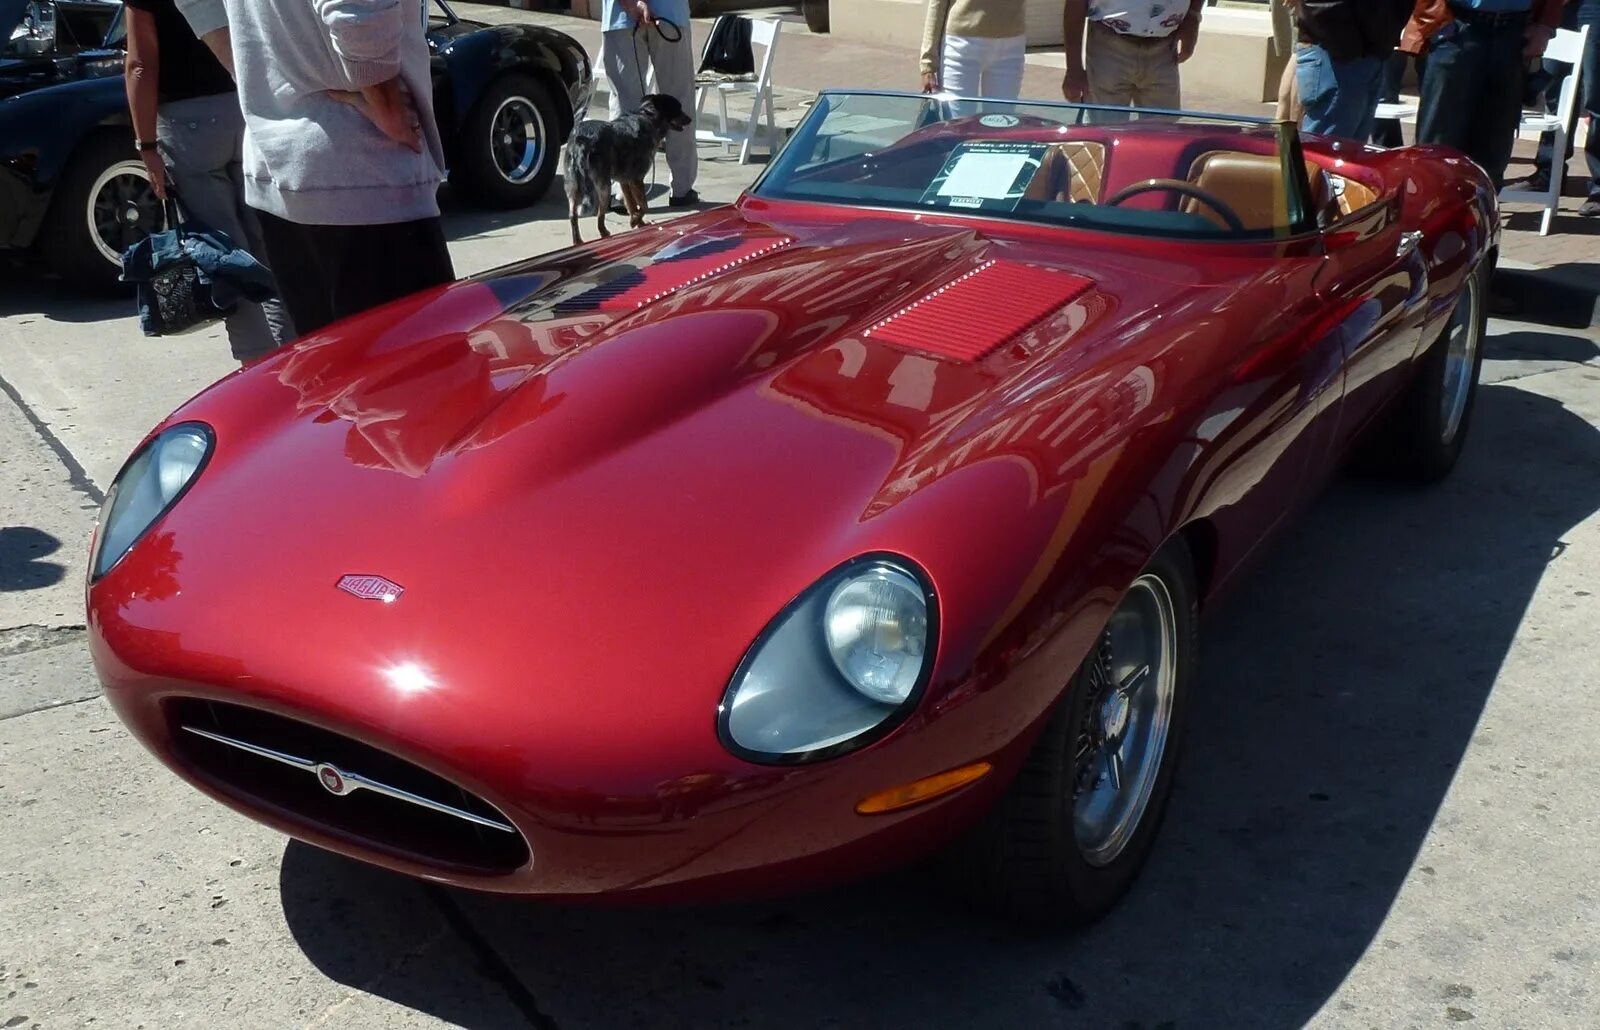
355,780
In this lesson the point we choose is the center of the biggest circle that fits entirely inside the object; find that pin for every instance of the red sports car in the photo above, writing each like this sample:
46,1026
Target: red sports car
869,516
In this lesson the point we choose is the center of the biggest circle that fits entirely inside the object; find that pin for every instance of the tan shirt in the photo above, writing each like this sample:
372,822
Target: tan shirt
985,19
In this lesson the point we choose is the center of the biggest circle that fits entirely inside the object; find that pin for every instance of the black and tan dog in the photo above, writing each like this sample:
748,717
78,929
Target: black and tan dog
621,151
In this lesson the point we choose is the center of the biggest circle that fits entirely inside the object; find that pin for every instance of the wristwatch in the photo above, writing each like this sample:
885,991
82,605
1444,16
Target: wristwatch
145,147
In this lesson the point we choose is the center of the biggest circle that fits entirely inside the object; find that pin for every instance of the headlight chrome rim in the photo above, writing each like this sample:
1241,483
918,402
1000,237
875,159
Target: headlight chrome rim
825,585
96,572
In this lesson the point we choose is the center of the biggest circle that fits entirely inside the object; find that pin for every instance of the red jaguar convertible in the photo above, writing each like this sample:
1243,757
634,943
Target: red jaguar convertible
871,516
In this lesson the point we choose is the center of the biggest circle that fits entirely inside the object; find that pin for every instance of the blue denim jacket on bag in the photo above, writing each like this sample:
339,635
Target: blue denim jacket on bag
232,274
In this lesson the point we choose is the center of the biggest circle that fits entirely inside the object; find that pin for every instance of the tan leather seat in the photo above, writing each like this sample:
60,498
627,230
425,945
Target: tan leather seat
1251,184
1324,203
1074,170
1351,195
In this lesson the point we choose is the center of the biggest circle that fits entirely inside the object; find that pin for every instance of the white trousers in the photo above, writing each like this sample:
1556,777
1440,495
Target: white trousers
624,54
973,66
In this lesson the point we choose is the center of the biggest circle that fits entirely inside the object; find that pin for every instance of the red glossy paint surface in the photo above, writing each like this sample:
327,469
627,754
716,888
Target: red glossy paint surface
597,475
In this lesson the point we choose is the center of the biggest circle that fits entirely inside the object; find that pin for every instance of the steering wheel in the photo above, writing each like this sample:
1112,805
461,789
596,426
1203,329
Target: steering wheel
1188,189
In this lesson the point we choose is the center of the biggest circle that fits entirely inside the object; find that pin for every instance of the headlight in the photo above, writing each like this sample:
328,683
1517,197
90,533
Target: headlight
148,486
838,668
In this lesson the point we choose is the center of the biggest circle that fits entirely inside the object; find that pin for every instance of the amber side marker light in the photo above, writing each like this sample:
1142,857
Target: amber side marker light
925,789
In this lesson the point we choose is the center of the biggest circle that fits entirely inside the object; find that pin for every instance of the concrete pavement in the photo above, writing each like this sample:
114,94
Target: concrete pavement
1385,816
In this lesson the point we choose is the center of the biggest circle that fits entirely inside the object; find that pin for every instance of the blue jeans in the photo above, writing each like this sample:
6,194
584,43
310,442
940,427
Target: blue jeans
1584,12
1340,97
1472,92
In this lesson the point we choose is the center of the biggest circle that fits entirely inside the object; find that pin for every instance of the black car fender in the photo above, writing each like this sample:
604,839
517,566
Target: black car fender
39,133
475,59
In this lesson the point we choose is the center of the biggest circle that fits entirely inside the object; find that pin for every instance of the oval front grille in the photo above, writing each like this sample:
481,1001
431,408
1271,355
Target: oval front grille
332,782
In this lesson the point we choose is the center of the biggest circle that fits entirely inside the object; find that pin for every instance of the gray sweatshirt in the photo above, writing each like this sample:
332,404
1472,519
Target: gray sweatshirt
309,158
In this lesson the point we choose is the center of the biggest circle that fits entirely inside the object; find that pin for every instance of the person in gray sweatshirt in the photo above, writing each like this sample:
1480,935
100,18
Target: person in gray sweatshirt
342,157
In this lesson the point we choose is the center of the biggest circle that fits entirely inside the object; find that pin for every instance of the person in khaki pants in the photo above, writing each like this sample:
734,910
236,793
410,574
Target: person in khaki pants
1130,54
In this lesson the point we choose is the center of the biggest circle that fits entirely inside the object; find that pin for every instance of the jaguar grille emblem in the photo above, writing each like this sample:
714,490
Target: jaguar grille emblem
371,588
333,781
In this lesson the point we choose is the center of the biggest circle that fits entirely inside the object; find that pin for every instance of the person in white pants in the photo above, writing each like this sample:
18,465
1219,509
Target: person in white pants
657,32
974,48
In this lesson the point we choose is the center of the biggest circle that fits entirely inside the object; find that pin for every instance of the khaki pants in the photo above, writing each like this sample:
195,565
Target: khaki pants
1131,71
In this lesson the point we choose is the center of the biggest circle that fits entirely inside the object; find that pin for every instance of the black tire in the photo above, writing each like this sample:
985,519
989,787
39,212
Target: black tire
816,12
1420,442
514,100
1025,862
98,211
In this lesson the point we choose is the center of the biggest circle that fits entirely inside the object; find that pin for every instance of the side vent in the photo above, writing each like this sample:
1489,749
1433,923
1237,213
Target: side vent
970,316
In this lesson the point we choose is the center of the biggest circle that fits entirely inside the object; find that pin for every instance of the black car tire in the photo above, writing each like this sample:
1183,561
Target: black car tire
816,12
514,99
1025,862
100,172
1422,436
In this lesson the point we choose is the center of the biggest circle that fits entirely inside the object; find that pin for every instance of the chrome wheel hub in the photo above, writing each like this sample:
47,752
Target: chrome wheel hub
1462,340
1132,682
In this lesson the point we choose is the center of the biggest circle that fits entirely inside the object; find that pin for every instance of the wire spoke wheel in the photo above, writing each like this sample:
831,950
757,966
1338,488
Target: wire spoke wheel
1462,339
1122,737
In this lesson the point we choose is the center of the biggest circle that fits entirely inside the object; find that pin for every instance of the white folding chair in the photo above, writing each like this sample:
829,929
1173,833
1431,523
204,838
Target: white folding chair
1567,47
764,32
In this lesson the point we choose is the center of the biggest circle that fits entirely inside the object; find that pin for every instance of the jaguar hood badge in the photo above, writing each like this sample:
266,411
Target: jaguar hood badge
371,588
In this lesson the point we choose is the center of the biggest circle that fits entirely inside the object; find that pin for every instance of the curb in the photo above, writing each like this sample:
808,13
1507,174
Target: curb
1564,296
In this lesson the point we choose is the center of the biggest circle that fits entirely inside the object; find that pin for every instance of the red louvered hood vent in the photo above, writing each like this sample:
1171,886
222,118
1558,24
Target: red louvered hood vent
970,316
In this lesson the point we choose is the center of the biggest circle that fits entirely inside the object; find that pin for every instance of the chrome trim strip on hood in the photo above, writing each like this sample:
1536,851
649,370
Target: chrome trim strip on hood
355,780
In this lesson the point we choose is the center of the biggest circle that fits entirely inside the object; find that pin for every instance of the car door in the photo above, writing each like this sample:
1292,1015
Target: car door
1373,273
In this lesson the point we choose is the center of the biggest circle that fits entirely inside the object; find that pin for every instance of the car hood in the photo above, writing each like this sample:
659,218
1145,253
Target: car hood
607,469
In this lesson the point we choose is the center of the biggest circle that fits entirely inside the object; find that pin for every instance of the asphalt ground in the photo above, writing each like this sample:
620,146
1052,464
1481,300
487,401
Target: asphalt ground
1385,816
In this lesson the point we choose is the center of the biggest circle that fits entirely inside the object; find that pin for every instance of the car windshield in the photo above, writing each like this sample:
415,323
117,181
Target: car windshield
1153,173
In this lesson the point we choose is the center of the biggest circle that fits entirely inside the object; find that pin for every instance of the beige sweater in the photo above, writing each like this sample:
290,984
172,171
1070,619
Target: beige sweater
986,19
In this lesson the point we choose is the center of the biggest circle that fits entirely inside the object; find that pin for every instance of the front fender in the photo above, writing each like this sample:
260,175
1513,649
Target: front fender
39,132
474,60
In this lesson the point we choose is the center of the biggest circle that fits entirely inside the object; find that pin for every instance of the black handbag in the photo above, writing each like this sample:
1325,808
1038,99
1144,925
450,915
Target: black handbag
728,49
174,299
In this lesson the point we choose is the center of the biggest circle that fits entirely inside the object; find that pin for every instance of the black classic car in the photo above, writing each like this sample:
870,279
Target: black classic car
73,190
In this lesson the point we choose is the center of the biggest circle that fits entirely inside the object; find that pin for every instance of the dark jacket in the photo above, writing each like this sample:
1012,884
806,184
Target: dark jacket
1351,29
1432,15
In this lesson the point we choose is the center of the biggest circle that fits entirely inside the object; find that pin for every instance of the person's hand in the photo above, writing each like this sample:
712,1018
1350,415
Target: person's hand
1185,38
390,106
1534,39
1075,85
156,169
930,82
641,11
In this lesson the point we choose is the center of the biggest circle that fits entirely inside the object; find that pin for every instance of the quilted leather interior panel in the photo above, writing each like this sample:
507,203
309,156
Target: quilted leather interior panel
1071,171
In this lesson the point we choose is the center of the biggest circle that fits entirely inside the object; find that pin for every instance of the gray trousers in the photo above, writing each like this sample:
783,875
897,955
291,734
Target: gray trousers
202,140
624,53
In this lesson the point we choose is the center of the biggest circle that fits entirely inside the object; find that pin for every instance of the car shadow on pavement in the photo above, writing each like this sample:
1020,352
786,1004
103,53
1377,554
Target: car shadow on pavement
1342,684
22,550
1565,295
463,220
28,291
1532,345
